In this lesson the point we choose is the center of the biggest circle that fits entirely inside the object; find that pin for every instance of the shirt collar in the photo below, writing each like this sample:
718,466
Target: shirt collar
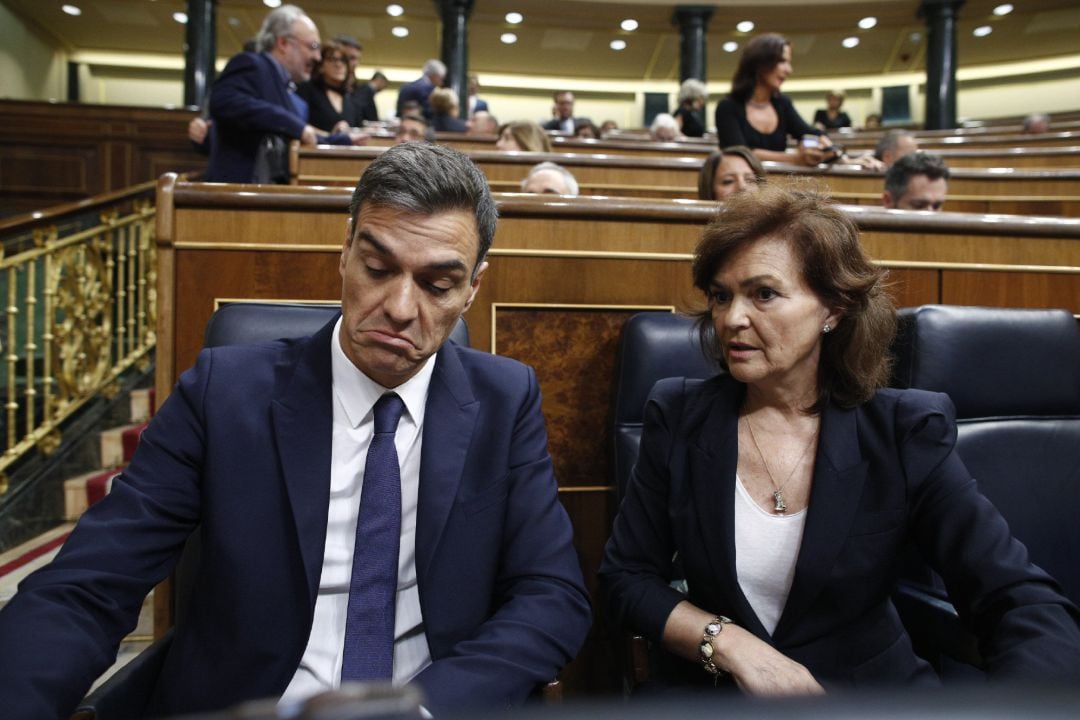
358,393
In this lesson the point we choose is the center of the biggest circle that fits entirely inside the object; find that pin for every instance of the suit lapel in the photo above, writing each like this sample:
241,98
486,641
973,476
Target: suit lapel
449,421
839,475
302,417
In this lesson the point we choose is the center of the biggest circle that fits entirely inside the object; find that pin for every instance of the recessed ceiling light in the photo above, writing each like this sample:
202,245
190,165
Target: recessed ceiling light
514,18
982,31
72,10
850,42
395,10
1003,9
915,37
618,44
508,38
745,26
234,22
867,22
399,31
272,3
629,24
180,17
730,46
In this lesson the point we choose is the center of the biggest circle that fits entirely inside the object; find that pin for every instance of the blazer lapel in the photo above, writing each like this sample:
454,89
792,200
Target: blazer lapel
302,418
449,420
839,475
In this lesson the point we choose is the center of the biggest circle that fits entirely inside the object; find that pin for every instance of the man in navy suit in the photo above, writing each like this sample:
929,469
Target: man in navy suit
419,90
262,449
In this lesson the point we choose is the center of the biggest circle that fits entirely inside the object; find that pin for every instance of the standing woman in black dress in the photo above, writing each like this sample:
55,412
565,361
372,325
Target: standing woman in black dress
330,106
758,115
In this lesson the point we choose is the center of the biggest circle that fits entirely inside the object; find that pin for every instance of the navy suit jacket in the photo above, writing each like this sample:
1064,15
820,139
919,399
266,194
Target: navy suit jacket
242,450
249,99
886,474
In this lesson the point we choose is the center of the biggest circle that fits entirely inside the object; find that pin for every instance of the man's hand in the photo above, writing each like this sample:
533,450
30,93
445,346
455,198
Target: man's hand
867,161
197,130
309,136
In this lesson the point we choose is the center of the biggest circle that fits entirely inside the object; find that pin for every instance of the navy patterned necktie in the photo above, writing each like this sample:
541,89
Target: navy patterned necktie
369,624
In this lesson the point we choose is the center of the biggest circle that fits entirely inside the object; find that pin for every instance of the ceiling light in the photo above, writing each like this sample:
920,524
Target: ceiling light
982,31
399,31
72,10
867,22
618,45
395,11
272,3
915,37
629,24
180,17
730,46
508,38
1003,9
745,26
514,18
850,42
234,22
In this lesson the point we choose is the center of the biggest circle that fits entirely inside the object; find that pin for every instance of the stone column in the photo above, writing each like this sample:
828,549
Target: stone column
455,48
940,17
200,51
693,22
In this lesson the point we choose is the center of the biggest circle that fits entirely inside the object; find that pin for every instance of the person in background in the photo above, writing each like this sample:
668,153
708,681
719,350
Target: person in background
327,93
352,51
757,115
524,136
608,126
198,132
364,97
791,485
548,177
728,172
831,117
665,128
873,122
475,103
444,111
412,128
1036,123
690,115
563,112
918,181
419,90
894,145
587,131
483,123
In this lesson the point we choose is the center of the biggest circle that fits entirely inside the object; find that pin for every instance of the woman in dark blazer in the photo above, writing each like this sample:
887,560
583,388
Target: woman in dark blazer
788,487
330,104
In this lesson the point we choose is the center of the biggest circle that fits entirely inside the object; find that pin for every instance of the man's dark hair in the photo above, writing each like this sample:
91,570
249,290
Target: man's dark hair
918,163
350,41
889,141
379,76
427,179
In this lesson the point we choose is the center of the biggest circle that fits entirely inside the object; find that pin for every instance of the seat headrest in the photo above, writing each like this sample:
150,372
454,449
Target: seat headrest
654,346
992,361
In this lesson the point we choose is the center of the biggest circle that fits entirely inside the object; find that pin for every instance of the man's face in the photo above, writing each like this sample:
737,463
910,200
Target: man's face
405,281
352,58
564,105
409,131
298,51
922,194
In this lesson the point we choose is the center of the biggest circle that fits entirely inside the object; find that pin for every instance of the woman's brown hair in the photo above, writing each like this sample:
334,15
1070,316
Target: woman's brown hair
761,54
529,136
707,176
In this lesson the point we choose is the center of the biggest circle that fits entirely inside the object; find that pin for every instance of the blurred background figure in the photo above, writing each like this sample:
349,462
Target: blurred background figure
523,135
607,126
563,112
831,116
364,97
353,51
918,181
412,128
444,111
728,172
664,128
483,123
873,122
587,130
894,145
548,177
419,90
690,115
475,103
330,106
1037,123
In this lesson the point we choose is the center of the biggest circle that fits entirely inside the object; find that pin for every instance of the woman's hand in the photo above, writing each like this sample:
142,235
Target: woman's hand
760,669
342,126
810,156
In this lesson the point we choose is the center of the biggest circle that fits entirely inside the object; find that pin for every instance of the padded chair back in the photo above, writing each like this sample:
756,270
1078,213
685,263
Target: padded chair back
653,346
1014,376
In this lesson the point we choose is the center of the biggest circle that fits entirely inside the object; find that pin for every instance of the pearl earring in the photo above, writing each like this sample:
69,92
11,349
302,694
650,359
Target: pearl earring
827,329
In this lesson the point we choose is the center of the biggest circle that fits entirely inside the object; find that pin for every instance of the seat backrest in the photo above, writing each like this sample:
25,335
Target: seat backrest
1014,376
247,322
653,346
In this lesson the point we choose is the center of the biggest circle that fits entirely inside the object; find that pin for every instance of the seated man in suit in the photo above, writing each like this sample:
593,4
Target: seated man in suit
563,112
419,90
919,181
374,503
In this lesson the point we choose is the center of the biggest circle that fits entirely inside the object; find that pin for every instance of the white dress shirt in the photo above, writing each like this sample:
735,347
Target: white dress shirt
354,397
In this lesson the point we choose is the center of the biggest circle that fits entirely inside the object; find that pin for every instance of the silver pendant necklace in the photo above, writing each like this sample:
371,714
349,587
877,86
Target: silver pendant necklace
779,506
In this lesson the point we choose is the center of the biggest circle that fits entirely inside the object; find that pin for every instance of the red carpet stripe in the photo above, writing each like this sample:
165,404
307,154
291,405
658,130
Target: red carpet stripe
33,554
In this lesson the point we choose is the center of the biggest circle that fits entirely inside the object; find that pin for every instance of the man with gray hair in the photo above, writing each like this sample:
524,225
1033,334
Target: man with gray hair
420,90
549,177
918,181
894,145
375,502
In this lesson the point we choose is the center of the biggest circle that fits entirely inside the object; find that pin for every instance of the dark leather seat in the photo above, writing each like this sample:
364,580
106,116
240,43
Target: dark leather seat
1014,377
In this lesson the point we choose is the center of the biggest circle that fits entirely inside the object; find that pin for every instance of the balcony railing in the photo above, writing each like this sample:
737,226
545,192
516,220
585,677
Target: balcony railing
80,287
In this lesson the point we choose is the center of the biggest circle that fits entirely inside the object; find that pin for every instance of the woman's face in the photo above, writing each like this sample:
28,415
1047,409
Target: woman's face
775,77
507,141
733,175
768,321
334,67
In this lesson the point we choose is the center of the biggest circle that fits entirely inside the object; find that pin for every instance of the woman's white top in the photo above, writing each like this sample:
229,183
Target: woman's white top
766,548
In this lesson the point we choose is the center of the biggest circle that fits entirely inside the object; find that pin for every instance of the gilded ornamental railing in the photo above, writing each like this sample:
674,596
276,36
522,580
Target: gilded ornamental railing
80,285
